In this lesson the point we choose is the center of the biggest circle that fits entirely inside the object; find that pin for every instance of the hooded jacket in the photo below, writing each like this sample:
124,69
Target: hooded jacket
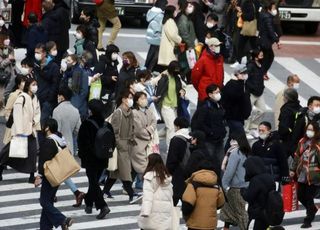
154,17
157,203
261,183
267,34
201,200
92,30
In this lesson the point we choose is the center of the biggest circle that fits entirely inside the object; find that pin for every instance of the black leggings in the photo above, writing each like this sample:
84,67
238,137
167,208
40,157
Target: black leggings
127,185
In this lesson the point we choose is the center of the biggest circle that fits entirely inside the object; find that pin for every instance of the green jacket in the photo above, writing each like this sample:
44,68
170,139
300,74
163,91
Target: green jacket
313,171
186,30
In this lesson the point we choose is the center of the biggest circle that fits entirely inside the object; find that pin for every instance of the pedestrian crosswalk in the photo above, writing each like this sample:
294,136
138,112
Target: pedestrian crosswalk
20,208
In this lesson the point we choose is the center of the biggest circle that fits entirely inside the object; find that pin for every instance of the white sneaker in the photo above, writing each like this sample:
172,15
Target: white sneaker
234,65
136,198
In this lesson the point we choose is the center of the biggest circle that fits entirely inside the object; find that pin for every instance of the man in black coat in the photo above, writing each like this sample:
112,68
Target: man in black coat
287,117
210,118
93,165
47,74
267,34
261,183
270,150
236,101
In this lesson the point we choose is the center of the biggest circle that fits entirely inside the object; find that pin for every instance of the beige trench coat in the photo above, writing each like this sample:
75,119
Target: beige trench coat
122,123
145,125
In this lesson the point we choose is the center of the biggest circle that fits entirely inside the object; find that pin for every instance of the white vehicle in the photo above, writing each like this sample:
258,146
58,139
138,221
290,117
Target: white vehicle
306,11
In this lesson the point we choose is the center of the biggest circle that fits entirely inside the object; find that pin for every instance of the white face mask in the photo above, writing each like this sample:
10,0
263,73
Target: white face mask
216,97
296,86
310,133
64,65
38,57
316,110
54,53
190,9
34,89
274,12
114,56
78,36
6,42
130,102
215,49
245,77
24,71
1,23
263,136
210,25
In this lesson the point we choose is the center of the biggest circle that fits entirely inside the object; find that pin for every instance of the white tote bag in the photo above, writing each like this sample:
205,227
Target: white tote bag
175,218
113,161
18,147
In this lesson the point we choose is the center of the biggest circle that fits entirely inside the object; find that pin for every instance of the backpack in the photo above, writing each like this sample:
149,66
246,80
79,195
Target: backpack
105,141
9,122
274,208
186,155
195,117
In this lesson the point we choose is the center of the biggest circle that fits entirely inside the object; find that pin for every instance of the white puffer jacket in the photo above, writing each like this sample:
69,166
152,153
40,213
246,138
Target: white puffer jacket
157,205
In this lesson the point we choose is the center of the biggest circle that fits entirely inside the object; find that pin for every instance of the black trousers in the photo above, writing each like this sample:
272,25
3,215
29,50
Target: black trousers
152,58
127,185
268,57
243,40
306,194
94,194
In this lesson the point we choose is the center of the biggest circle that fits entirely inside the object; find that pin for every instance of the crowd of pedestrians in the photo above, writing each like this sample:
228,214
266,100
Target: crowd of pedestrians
223,155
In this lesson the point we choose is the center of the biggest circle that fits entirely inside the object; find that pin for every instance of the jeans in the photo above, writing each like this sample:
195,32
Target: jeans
116,26
46,111
306,194
216,150
50,215
94,194
73,187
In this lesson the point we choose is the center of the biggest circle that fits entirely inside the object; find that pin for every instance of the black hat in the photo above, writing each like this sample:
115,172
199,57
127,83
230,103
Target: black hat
290,94
198,134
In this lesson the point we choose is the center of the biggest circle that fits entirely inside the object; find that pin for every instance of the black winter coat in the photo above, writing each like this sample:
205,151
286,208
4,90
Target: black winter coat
35,34
176,152
255,82
287,119
267,34
48,79
92,30
236,101
107,68
86,139
272,153
261,183
210,118
89,46
250,10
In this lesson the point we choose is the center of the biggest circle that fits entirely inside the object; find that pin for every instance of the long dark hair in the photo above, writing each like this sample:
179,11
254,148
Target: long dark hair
155,163
242,140
168,13
19,78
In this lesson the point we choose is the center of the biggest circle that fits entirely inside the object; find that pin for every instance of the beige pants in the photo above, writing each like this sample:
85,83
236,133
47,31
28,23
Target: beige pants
116,26
258,109
169,115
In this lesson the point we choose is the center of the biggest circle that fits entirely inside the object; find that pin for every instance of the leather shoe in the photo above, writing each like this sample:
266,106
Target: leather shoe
306,225
67,223
88,209
103,212
79,199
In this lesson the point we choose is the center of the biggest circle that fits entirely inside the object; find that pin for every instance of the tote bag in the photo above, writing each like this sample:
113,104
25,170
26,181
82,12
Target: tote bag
113,161
18,147
249,28
60,167
290,197
95,90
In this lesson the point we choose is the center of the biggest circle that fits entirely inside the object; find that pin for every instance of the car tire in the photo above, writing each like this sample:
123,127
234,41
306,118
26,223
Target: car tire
311,27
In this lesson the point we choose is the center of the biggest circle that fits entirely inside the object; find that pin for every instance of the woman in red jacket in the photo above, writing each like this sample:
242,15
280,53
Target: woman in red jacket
34,6
208,69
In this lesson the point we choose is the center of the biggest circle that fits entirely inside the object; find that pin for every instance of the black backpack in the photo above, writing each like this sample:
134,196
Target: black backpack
274,208
105,141
186,155
9,122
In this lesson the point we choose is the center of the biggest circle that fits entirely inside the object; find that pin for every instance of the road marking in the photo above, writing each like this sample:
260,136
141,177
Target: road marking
304,43
306,75
123,35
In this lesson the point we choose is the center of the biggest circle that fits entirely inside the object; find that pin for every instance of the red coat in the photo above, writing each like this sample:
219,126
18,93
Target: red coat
34,6
208,70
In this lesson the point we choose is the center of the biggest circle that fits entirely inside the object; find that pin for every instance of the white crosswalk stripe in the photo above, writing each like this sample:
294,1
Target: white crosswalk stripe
20,208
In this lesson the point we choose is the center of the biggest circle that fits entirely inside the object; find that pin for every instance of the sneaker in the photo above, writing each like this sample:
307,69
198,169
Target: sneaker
79,200
88,209
103,212
136,197
234,65
67,223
